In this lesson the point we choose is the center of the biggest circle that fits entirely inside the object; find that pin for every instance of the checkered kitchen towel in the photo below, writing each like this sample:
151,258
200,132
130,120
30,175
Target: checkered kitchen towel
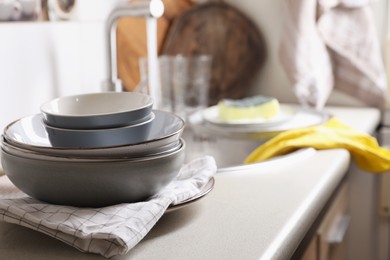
330,45
108,231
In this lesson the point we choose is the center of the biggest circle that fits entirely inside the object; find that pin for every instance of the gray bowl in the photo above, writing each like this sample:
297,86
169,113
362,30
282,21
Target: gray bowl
107,137
94,183
97,110
19,151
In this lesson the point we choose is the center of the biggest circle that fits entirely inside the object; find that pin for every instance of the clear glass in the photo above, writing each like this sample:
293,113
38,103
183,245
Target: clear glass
184,82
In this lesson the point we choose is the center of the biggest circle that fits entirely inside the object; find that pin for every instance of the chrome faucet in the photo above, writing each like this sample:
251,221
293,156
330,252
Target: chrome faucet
146,8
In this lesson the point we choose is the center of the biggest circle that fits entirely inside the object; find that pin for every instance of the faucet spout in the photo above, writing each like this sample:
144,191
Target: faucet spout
147,9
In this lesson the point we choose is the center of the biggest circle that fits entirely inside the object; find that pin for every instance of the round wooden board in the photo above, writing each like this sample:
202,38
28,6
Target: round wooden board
235,43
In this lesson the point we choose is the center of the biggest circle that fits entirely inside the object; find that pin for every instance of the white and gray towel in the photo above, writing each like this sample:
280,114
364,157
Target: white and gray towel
108,231
330,45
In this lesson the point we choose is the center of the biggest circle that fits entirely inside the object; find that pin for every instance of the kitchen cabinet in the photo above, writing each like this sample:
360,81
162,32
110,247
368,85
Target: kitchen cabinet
311,251
330,241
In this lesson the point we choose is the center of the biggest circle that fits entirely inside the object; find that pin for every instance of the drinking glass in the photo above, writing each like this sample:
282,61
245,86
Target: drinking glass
184,82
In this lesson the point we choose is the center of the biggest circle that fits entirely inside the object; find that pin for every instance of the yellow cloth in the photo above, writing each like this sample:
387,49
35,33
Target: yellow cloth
364,149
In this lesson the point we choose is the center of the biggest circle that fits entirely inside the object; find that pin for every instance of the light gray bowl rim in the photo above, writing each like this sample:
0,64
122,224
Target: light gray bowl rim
48,147
5,147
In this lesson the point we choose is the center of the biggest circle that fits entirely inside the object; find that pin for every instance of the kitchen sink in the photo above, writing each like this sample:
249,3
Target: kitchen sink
230,153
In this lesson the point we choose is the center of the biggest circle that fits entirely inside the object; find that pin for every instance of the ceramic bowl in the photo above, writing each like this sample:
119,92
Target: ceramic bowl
106,137
93,184
30,134
97,110
17,151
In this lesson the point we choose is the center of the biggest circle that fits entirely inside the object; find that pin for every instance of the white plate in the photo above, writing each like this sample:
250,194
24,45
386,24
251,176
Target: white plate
303,117
20,152
203,192
210,114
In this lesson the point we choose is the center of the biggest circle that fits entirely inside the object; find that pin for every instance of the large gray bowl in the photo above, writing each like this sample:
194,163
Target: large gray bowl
93,183
97,110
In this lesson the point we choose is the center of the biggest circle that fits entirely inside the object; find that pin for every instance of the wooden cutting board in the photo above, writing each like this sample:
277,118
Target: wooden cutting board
234,41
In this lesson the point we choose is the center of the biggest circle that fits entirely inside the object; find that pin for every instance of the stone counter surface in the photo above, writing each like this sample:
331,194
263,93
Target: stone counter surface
257,213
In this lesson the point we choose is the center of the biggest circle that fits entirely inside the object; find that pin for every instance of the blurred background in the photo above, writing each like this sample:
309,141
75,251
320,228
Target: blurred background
58,48
51,48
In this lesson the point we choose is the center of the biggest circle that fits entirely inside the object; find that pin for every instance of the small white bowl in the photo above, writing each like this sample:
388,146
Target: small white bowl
97,110
94,138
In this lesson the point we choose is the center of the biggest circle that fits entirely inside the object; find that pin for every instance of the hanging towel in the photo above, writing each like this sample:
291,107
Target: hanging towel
330,45
364,149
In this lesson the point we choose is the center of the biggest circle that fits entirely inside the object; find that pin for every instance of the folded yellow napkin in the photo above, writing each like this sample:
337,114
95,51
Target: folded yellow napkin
364,149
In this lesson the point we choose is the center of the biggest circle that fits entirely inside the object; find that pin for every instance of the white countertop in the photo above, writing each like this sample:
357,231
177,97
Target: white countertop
258,213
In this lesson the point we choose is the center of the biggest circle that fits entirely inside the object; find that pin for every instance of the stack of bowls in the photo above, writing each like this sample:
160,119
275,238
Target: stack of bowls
94,150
